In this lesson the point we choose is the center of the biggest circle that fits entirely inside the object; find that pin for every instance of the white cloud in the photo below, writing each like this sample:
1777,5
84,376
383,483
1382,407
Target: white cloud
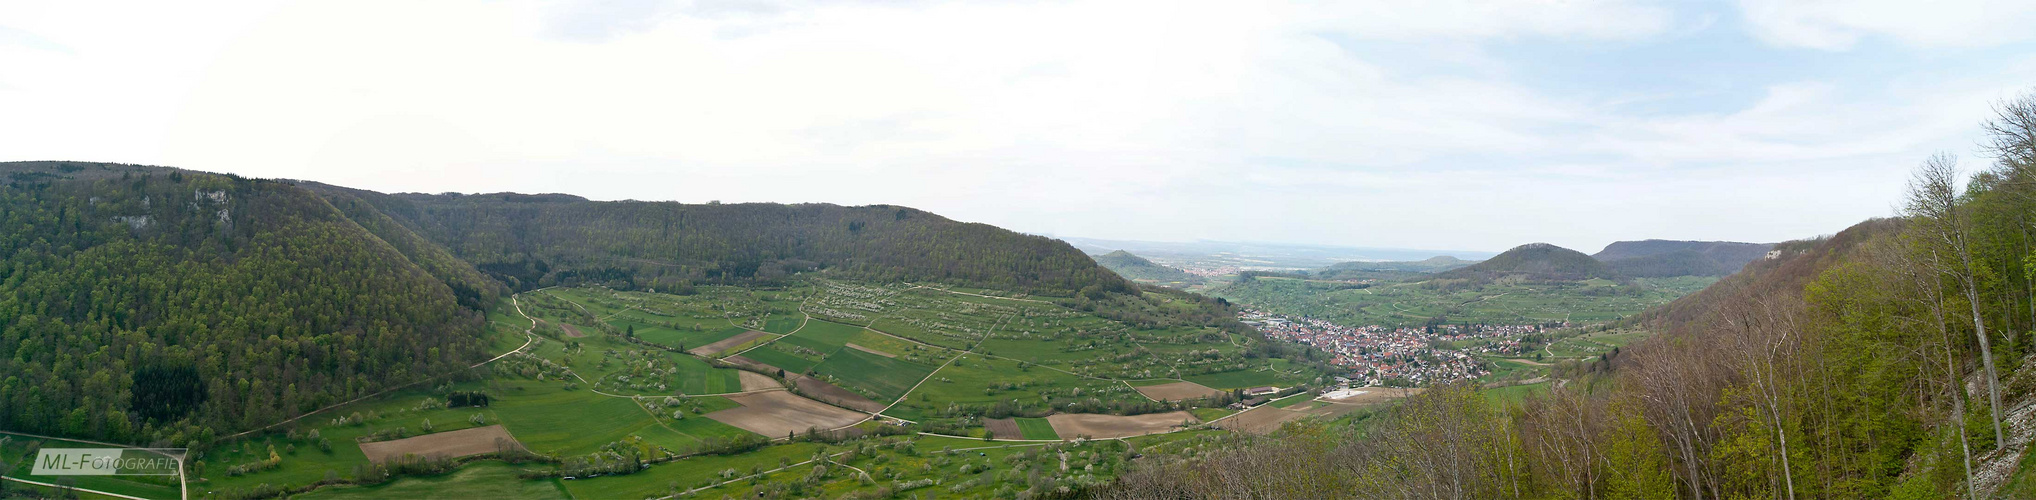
1160,120
1840,24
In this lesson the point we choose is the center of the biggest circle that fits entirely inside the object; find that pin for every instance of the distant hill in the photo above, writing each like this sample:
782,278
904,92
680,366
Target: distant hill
1794,265
532,241
162,301
1391,270
1534,262
1135,268
1663,258
1434,264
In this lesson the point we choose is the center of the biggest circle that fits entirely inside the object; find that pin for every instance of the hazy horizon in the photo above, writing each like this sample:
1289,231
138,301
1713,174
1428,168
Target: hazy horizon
1426,125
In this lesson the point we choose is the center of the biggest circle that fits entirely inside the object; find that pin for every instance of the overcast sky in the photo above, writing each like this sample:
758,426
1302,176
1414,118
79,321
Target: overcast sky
1425,124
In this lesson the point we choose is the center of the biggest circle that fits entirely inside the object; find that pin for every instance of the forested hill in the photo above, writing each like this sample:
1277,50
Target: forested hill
528,241
156,305
1133,267
1434,264
1534,262
1662,258
1792,267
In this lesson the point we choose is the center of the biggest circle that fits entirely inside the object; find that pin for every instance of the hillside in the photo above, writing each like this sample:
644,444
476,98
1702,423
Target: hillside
300,337
145,303
276,297
1664,258
1533,262
531,241
1135,268
1793,267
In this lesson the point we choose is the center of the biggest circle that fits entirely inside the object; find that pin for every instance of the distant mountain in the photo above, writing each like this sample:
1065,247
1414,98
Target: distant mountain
532,241
1434,264
1135,268
1391,270
1259,255
1662,258
1534,262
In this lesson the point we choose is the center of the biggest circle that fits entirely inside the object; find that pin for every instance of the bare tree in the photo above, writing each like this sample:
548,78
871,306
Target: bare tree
1679,383
1560,432
1763,335
1933,206
2011,134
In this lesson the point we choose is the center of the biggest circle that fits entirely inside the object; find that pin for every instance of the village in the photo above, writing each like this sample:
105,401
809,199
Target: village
1385,356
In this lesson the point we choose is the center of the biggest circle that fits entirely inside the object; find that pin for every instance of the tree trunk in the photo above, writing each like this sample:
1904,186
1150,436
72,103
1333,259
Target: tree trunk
1986,352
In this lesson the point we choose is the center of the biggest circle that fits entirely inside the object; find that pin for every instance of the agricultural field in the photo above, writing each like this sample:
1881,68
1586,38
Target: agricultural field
1415,304
983,381
1514,394
604,374
492,480
1036,428
1245,379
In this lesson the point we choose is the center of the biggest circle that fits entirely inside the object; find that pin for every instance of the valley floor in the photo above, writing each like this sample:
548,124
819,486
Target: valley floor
823,388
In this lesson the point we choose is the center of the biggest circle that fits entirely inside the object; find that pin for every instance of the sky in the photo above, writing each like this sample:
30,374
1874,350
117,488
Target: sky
1471,125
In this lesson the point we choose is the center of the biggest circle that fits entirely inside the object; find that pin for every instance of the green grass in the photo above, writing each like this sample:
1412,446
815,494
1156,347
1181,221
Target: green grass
1151,382
687,339
687,473
976,380
780,359
1208,414
1036,428
885,377
1290,401
783,323
308,464
826,334
1514,394
1241,379
490,480
547,419
698,377
1509,369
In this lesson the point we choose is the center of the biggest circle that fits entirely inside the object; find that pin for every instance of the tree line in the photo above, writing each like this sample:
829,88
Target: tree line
531,241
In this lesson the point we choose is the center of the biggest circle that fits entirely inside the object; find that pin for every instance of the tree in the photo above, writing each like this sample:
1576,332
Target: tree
1934,207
